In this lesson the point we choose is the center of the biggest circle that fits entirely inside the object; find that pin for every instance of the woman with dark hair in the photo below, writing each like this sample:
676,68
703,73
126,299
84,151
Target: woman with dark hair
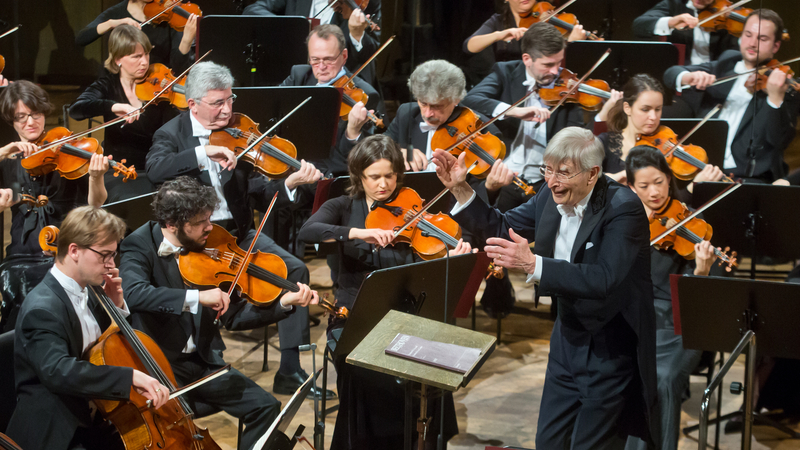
370,404
172,48
25,105
114,95
637,113
650,177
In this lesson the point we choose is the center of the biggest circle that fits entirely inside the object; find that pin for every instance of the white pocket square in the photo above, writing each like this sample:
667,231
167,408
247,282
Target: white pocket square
589,245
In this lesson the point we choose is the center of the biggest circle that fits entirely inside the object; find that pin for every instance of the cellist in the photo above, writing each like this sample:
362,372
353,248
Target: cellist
56,325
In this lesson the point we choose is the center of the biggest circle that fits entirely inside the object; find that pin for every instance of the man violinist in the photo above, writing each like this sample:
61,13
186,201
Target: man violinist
761,125
181,320
59,321
327,55
181,147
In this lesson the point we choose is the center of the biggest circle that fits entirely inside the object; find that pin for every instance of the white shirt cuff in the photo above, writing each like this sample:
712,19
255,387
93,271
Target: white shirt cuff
286,308
202,158
678,81
662,27
499,109
352,140
290,192
537,271
772,104
356,43
124,310
459,207
192,301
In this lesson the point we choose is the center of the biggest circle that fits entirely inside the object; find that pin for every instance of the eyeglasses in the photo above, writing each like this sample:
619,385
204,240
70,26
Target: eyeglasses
328,61
107,257
22,118
560,177
219,103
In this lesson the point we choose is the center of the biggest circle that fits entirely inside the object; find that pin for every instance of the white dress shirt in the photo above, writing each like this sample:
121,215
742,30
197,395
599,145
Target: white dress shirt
192,299
430,130
320,5
527,150
701,46
79,297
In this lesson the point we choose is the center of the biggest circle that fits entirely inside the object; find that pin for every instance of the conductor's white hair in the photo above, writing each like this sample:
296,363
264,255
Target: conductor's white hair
437,80
577,145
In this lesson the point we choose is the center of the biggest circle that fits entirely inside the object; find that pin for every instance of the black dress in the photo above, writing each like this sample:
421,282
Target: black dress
131,142
164,39
370,404
480,65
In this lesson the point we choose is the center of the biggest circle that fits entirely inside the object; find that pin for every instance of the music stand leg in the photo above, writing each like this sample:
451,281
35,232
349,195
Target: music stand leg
749,376
422,421
407,428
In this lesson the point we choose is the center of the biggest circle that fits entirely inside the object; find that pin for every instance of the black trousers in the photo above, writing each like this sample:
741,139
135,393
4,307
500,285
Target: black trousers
233,393
589,387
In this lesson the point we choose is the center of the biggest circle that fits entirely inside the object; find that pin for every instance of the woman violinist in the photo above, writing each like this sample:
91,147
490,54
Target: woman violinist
114,95
25,105
370,412
172,48
636,113
650,177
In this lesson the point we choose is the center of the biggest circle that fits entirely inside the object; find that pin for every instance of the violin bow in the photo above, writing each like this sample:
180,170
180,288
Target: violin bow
728,190
10,31
265,134
577,85
559,9
245,262
374,55
721,12
119,119
180,391
163,11
735,76
695,128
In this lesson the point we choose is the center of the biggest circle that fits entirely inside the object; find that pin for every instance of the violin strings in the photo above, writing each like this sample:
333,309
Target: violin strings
272,150
258,272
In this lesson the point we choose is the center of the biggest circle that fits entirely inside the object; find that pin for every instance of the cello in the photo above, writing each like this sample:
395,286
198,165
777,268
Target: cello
139,425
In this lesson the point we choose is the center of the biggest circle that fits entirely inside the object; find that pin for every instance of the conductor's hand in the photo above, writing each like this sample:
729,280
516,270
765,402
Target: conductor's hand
513,253
499,175
699,79
308,174
150,388
215,299
304,297
224,156
375,236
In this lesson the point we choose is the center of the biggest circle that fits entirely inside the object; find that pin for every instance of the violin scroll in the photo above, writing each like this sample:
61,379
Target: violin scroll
340,312
728,261
36,202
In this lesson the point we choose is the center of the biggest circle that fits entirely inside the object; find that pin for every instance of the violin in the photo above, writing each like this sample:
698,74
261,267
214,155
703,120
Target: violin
340,312
684,160
159,77
483,148
686,236
346,8
168,11
71,160
544,11
6,443
590,94
169,427
758,80
262,281
2,63
425,235
352,94
273,157
732,21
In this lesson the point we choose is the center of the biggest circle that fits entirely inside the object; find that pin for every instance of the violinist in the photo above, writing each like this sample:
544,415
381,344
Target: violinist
181,320
636,113
592,257
327,56
370,412
677,19
172,48
650,177
25,106
58,322
114,95
761,125
181,147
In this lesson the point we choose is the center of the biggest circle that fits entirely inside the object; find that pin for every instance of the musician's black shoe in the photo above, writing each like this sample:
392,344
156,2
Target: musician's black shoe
288,384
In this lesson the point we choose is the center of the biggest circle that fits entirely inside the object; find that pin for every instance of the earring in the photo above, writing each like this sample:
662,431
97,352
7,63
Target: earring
119,64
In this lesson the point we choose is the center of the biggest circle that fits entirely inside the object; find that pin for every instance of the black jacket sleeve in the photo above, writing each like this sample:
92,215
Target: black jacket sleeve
136,269
89,33
644,25
166,159
94,101
323,225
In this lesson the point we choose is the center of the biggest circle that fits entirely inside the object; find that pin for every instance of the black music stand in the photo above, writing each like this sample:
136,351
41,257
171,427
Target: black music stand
712,136
715,314
259,50
754,220
312,128
275,438
624,61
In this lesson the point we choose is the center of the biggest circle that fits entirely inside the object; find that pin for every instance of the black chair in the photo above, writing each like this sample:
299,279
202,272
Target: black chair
8,394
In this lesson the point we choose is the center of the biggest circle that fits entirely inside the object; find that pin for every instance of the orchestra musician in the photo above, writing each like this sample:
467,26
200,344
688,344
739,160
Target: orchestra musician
327,55
25,106
181,320
761,125
174,49
58,322
592,256
650,177
370,403
114,95
181,147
